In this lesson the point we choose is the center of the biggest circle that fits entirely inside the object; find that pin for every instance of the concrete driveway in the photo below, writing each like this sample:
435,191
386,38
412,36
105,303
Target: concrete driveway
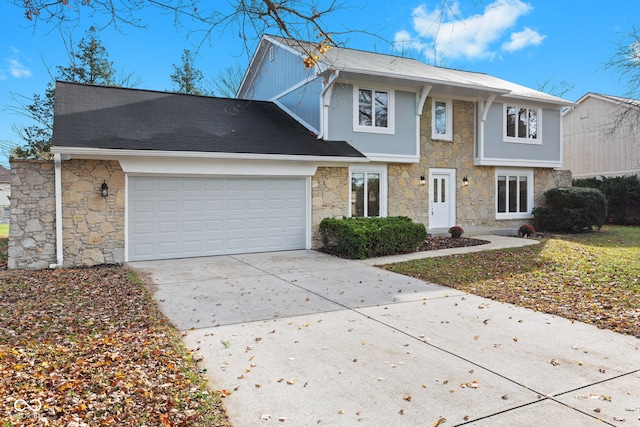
303,339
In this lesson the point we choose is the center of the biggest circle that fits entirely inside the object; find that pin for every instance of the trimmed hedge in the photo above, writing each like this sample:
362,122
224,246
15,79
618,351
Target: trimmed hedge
359,238
571,209
623,197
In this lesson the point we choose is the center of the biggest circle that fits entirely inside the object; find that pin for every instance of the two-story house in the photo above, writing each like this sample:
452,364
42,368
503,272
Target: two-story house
444,146
601,137
140,175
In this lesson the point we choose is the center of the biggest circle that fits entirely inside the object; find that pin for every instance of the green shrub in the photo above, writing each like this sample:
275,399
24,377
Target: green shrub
572,209
623,197
359,238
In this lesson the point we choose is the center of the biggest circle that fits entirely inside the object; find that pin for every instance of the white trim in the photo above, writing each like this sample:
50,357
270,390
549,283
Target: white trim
390,129
116,154
487,161
424,93
517,140
448,105
296,117
57,160
325,103
529,173
126,217
379,169
392,158
308,212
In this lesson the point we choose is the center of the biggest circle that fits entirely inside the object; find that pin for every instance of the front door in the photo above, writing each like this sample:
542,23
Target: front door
442,198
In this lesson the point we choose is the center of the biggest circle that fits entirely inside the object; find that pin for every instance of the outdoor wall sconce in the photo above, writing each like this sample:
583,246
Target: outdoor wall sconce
465,181
422,180
104,189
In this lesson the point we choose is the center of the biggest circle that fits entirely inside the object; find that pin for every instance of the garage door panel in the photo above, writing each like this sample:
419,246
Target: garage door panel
182,217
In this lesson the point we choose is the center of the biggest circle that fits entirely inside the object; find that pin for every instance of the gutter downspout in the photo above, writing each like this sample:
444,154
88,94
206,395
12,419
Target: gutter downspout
58,195
325,101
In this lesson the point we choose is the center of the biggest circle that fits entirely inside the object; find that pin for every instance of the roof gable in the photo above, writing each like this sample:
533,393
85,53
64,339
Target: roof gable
112,118
407,69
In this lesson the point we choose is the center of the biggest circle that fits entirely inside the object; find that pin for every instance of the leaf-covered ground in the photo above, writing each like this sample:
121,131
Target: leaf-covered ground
593,277
87,347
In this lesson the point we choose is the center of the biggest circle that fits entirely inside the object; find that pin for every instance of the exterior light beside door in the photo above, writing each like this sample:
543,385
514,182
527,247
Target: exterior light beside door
104,189
422,180
465,181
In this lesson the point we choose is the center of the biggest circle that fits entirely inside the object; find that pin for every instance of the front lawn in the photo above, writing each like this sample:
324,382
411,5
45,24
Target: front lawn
592,277
4,230
88,347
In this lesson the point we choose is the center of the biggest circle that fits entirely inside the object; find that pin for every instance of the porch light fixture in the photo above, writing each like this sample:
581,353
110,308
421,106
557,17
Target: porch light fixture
104,189
465,181
422,180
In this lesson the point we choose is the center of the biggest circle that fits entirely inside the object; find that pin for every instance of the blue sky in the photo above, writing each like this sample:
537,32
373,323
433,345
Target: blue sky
526,42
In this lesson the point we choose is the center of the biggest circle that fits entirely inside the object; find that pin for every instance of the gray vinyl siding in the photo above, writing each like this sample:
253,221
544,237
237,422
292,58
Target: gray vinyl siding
305,103
273,77
402,142
496,148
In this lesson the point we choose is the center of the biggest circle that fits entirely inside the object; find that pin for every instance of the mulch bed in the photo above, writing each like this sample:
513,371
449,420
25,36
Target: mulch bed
442,242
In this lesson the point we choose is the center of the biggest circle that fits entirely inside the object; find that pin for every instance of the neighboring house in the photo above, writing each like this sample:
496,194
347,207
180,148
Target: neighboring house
359,134
601,136
5,194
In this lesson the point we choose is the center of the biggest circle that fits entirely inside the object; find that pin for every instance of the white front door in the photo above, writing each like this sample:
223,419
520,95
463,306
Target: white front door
442,198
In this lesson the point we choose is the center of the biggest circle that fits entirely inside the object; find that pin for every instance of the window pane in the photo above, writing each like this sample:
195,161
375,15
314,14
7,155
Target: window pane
435,190
365,107
373,194
502,194
357,194
382,108
511,121
523,119
533,124
513,194
442,192
523,194
440,122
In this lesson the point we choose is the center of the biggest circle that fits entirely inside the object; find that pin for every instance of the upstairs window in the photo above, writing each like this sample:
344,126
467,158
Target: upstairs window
373,110
522,124
441,120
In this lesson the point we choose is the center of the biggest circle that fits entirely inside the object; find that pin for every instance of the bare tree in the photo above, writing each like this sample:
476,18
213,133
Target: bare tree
625,62
295,19
228,81
556,89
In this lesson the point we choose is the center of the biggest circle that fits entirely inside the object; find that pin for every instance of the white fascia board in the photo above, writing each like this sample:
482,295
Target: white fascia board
391,158
296,117
521,163
118,154
254,61
548,103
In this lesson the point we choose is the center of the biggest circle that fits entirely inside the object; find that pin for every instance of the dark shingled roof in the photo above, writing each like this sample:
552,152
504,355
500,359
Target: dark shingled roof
89,116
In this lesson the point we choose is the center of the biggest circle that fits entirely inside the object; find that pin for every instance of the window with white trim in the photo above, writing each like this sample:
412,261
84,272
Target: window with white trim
373,110
441,120
522,124
368,192
514,193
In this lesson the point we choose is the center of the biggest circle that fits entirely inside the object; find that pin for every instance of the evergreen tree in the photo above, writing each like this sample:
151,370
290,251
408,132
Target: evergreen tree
187,78
89,64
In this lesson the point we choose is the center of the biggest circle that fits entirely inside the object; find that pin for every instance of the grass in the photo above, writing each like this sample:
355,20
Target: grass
4,230
592,277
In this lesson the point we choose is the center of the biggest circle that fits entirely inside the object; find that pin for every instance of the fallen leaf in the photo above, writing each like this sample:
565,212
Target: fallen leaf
439,421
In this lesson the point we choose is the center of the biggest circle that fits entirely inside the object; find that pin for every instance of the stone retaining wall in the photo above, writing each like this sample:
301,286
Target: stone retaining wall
32,235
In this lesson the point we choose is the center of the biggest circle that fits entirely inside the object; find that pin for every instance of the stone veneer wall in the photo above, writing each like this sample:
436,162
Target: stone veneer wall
475,204
329,197
32,234
93,226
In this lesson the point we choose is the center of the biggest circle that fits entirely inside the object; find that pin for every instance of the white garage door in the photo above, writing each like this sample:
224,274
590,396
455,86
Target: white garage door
190,217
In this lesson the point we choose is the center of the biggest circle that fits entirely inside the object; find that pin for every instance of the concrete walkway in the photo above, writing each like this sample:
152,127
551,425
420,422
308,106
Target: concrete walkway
302,338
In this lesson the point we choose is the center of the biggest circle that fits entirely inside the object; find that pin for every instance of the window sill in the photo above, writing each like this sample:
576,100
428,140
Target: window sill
513,216
522,141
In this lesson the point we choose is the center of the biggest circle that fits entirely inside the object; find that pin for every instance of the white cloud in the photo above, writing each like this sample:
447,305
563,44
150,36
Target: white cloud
451,35
15,68
18,70
522,39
